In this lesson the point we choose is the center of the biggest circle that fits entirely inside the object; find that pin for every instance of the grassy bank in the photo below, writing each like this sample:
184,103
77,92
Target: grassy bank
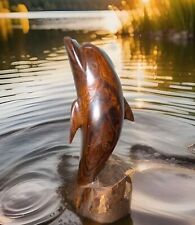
159,18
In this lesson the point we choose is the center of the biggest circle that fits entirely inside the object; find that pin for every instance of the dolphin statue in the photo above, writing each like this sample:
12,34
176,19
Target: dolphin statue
99,109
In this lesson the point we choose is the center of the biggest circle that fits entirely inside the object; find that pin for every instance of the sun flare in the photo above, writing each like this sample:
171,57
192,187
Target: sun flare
145,1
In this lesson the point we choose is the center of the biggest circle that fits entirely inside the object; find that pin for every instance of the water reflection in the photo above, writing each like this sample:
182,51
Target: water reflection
155,186
36,92
162,77
5,28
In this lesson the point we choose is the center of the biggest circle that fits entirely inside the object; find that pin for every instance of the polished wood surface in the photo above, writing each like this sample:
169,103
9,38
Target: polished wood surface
99,109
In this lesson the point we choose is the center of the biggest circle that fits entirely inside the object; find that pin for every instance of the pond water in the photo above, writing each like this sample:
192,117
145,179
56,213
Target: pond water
36,161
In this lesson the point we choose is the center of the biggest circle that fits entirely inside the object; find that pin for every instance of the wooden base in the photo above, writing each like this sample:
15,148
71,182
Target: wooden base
108,198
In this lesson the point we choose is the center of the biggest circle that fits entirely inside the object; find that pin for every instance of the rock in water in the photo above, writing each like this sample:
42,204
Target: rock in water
107,199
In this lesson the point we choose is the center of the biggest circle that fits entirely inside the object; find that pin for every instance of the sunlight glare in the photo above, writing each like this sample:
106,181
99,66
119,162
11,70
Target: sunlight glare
145,1
112,23
140,74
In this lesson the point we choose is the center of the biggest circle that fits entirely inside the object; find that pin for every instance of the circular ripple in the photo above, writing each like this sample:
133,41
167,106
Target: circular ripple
30,198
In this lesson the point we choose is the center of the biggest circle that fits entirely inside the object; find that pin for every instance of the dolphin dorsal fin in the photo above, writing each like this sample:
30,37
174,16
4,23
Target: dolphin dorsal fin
128,111
75,121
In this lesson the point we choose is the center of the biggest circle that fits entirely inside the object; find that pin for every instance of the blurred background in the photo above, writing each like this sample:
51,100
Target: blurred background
167,18
151,44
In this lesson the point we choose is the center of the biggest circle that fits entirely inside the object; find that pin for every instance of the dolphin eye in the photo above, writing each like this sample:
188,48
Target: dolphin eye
94,65
106,146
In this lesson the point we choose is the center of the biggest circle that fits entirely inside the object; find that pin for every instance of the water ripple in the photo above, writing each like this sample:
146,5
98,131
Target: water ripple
36,93
21,204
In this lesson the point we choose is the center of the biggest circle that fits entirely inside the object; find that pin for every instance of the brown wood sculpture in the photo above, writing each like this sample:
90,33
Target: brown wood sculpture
99,109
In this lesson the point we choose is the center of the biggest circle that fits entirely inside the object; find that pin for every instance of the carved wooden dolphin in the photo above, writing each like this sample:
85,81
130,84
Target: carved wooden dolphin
99,109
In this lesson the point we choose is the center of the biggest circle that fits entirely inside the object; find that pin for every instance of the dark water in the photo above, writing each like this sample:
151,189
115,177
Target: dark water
36,161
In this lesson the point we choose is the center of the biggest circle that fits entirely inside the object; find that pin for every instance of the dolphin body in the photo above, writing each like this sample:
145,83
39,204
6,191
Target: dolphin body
99,109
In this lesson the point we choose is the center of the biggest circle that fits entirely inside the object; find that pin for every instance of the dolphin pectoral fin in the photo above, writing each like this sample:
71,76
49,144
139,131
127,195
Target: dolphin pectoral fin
75,121
128,111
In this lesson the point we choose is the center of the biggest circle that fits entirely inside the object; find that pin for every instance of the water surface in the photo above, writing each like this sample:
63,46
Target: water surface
36,161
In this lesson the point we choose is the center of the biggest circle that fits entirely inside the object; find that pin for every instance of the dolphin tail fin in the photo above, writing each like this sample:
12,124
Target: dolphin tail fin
128,111
75,120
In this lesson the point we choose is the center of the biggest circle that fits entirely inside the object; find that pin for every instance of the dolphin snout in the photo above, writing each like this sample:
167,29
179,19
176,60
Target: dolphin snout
73,50
69,44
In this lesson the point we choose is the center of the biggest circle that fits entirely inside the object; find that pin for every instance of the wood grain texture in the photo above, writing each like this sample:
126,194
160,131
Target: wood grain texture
109,199
99,109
